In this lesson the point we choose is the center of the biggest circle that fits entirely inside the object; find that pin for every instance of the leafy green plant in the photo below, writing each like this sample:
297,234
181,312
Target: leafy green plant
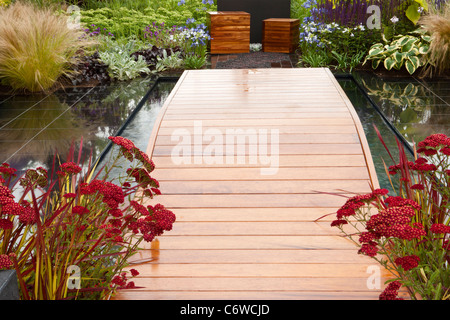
346,63
315,59
36,47
404,50
413,12
122,66
173,61
194,61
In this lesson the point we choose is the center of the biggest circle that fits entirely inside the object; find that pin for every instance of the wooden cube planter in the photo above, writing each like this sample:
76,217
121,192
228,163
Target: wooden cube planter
280,35
230,32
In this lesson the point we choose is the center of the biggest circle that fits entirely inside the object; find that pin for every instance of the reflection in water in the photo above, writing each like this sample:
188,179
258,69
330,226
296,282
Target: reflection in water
35,128
416,109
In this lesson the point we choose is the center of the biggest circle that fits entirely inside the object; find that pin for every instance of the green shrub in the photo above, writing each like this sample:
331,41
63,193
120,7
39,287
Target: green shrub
409,51
36,47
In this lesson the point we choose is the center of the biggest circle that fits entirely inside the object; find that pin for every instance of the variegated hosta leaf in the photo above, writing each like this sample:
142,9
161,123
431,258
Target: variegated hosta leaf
424,49
375,63
389,63
410,67
375,52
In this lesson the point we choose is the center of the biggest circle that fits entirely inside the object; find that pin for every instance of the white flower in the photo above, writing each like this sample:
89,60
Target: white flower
394,19
420,10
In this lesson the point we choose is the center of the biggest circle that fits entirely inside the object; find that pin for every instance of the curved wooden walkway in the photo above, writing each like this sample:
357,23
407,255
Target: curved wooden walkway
245,226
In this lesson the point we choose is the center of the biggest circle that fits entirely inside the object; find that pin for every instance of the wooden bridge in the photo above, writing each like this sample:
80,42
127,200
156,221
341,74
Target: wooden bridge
248,160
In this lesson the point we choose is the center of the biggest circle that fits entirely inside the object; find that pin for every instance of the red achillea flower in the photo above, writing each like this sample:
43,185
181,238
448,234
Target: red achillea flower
408,262
418,186
134,272
123,142
12,208
369,249
70,168
398,201
117,223
117,213
70,195
112,194
446,151
368,237
391,291
435,140
5,193
380,192
440,228
6,224
27,216
424,167
7,170
338,222
139,208
119,280
80,210
5,262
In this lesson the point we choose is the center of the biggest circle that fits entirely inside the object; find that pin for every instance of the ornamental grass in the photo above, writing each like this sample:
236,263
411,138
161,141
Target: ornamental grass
409,232
70,237
37,47
437,24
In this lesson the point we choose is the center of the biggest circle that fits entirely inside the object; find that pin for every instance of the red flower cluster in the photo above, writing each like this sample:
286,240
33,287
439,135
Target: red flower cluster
80,210
8,207
121,281
433,143
420,164
369,249
395,222
407,262
440,228
154,221
131,152
7,171
354,203
391,291
5,262
70,168
112,195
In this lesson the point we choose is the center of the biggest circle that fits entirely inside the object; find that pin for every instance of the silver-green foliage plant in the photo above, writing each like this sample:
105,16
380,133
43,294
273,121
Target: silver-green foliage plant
117,55
410,51
172,61
124,67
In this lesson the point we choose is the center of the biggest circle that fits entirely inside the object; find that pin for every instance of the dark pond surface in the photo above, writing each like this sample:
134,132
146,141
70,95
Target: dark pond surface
35,128
409,109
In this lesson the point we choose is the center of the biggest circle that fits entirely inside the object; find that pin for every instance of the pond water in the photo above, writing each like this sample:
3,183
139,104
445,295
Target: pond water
34,128
406,108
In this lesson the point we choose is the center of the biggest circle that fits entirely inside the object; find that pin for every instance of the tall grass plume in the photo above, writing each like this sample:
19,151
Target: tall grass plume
437,24
37,47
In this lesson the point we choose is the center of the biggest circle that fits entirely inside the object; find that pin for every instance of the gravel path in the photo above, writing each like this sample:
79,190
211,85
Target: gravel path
256,60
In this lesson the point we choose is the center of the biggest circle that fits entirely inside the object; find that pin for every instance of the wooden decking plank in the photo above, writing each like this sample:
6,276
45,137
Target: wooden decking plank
310,160
254,256
255,187
243,234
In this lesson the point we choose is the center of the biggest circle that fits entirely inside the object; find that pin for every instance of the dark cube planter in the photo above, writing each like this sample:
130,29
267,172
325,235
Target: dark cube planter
259,10
9,289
